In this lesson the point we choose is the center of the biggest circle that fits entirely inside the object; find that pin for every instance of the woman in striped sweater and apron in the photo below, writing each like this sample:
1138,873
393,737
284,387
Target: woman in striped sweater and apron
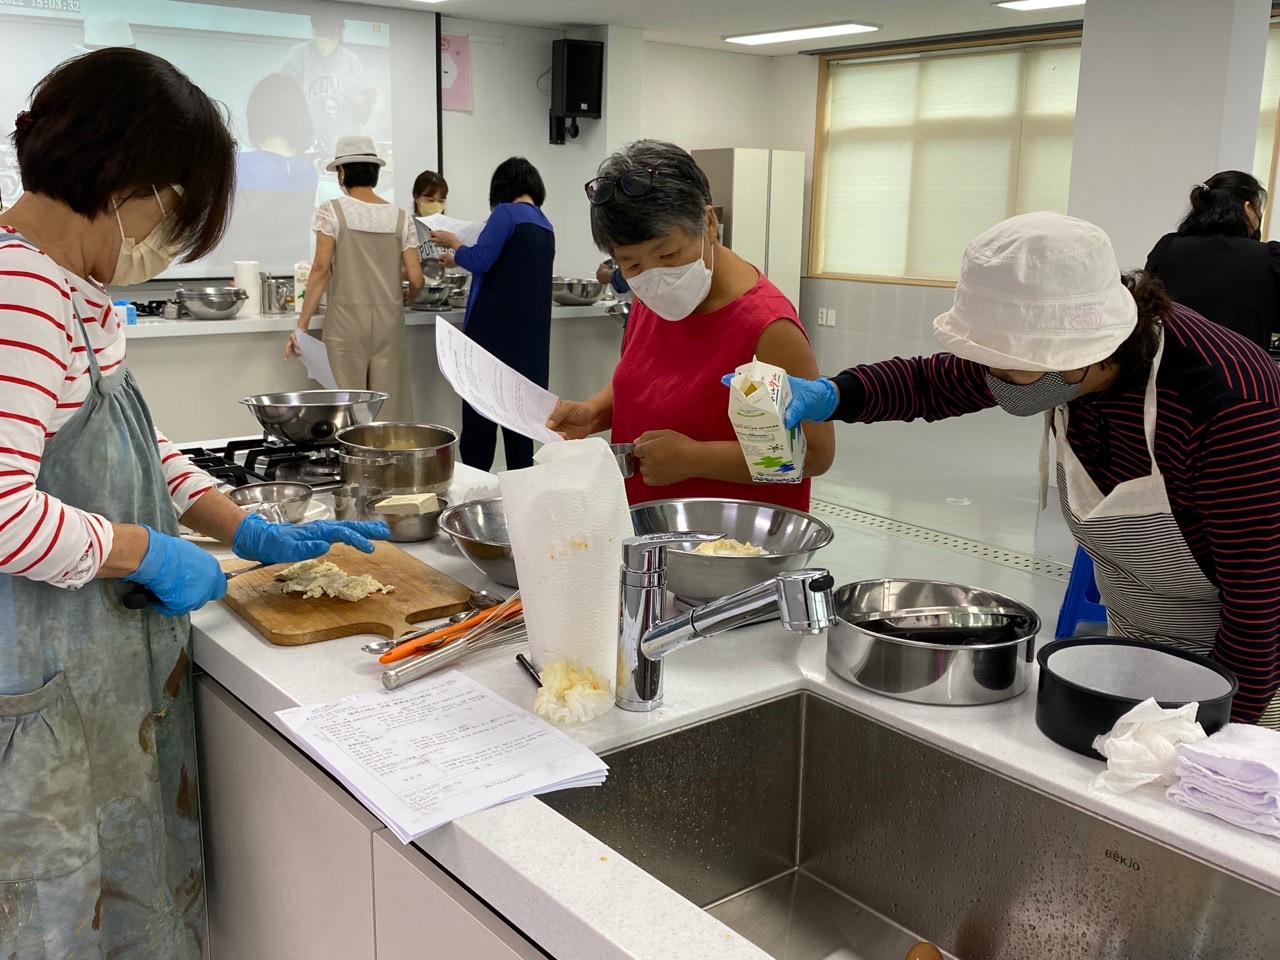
1167,429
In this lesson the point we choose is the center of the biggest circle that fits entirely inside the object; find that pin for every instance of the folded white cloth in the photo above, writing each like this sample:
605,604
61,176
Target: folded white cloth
1190,795
1241,752
1228,791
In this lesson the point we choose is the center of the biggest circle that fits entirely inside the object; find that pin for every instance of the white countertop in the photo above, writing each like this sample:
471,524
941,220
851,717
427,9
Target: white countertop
150,327
563,887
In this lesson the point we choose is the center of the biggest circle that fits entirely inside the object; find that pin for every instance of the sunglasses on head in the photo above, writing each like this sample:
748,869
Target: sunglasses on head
633,183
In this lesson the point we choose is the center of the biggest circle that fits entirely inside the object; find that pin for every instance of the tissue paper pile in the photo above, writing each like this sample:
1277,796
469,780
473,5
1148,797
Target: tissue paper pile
1141,746
567,517
1234,775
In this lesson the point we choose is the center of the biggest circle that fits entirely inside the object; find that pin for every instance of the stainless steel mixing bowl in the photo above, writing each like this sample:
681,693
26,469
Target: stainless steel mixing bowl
479,528
932,642
291,498
789,537
408,527
576,293
212,303
308,416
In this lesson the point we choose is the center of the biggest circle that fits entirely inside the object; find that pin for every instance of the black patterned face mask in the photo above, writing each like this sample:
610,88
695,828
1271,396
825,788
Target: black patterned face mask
1028,399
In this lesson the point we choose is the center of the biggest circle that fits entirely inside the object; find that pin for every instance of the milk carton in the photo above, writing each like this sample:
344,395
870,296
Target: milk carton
758,398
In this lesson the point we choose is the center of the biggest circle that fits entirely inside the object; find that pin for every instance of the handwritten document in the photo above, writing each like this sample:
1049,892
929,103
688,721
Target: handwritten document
422,757
496,391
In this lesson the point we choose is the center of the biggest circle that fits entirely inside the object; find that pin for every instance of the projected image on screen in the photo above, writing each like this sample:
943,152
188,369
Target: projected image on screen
292,83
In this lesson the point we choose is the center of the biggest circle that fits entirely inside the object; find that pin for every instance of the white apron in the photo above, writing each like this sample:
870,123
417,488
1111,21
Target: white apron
1148,578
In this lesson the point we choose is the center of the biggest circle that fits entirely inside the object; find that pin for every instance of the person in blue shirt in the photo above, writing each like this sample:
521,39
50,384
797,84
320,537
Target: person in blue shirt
509,306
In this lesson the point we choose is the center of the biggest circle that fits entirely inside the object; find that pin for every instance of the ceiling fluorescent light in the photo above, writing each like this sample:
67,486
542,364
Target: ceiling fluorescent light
1038,4
802,33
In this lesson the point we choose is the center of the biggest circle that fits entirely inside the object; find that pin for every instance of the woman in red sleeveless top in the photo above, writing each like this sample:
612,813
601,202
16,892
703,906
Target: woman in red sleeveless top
700,310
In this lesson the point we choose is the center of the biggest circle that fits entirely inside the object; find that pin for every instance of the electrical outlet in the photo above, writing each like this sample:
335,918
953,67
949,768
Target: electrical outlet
831,318
822,316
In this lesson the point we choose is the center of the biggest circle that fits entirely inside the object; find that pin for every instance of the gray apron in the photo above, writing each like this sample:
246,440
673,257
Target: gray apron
1149,579
99,815
364,333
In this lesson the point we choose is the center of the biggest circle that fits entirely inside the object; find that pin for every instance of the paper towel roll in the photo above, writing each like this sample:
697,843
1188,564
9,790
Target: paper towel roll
567,517
249,279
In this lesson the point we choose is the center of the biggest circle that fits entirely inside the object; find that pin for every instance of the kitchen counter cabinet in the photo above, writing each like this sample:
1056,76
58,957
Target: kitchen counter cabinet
417,904
288,852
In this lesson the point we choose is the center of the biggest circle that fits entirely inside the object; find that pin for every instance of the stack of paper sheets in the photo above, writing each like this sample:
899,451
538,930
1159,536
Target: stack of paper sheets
421,757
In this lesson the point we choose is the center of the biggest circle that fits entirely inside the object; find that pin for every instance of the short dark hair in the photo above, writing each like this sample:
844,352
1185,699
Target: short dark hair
359,174
513,178
117,122
278,108
678,197
1217,205
429,181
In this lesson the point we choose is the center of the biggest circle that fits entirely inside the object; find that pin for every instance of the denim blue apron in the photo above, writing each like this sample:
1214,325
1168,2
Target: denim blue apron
99,815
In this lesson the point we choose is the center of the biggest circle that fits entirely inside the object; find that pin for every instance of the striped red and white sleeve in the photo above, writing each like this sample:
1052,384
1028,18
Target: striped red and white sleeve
916,388
40,537
187,483
1237,474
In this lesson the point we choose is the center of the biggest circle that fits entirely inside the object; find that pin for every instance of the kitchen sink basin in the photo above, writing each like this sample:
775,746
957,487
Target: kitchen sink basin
821,835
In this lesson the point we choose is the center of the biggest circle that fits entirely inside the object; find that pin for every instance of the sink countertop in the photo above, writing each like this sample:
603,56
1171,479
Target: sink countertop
575,896
152,327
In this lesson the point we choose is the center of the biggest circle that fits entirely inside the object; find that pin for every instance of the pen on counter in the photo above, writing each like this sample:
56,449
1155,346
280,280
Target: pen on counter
527,667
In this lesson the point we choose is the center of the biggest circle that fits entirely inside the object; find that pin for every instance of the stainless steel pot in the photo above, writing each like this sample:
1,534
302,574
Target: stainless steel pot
398,457
308,416
932,642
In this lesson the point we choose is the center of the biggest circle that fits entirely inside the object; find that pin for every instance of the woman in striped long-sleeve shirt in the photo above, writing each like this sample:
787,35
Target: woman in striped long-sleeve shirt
99,820
1167,425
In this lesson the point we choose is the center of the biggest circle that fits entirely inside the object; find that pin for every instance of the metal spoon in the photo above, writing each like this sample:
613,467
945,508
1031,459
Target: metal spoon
479,600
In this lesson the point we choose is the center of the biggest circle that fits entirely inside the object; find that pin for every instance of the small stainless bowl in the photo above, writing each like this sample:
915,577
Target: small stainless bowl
576,293
408,527
479,528
624,454
932,642
433,295
291,498
351,501
212,303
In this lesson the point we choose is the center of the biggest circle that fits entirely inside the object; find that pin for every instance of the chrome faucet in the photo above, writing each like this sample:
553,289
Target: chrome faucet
803,597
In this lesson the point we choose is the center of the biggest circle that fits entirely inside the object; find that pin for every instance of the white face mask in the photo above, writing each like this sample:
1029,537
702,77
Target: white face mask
675,292
140,261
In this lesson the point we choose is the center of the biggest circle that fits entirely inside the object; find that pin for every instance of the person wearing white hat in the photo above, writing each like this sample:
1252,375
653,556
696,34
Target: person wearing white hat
362,242
1167,429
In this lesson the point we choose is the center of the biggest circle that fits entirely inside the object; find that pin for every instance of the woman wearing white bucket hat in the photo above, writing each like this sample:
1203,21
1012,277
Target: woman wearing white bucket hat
1167,427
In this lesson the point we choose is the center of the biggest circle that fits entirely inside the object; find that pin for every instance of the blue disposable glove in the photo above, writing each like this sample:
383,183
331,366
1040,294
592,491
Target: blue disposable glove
814,400
182,576
259,539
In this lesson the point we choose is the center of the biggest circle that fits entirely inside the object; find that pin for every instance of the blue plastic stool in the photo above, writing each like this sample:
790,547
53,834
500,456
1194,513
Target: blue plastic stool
1082,604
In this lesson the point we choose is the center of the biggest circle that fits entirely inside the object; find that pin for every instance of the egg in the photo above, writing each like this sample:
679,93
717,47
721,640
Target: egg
924,951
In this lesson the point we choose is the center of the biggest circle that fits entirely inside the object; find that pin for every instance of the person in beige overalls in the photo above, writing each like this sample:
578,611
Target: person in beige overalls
362,245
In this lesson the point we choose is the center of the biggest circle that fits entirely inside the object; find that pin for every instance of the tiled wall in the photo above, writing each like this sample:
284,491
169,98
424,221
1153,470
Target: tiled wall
975,476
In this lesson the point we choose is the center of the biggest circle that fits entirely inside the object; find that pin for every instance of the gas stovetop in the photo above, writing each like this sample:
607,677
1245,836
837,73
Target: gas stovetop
265,459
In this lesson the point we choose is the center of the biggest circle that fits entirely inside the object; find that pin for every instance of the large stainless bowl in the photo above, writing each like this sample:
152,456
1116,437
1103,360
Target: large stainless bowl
291,499
576,293
308,416
932,642
479,528
789,537
212,303
398,457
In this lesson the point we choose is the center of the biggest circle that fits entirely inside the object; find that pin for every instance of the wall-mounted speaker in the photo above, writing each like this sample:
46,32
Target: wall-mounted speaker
577,78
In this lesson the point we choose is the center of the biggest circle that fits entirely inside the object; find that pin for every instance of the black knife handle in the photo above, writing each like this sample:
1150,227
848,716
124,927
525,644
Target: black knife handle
140,597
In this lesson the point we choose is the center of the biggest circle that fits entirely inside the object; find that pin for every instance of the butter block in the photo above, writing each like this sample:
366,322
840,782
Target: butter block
407,503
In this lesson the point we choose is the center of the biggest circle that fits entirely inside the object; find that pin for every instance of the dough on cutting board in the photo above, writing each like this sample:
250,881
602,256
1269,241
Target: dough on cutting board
323,578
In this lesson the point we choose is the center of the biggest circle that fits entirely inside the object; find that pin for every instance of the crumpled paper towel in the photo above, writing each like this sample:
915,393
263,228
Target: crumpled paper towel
1140,747
567,517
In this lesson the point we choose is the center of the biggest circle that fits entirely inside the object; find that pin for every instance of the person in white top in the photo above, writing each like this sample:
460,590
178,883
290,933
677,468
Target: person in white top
127,164
363,243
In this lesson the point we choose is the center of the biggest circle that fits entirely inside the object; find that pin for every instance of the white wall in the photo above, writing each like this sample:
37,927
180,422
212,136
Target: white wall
704,99
509,117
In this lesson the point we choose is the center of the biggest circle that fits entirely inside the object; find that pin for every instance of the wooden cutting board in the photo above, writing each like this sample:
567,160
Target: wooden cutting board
289,619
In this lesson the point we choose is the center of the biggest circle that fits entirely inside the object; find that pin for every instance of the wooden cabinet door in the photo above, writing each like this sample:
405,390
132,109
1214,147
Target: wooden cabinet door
288,853
421,912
